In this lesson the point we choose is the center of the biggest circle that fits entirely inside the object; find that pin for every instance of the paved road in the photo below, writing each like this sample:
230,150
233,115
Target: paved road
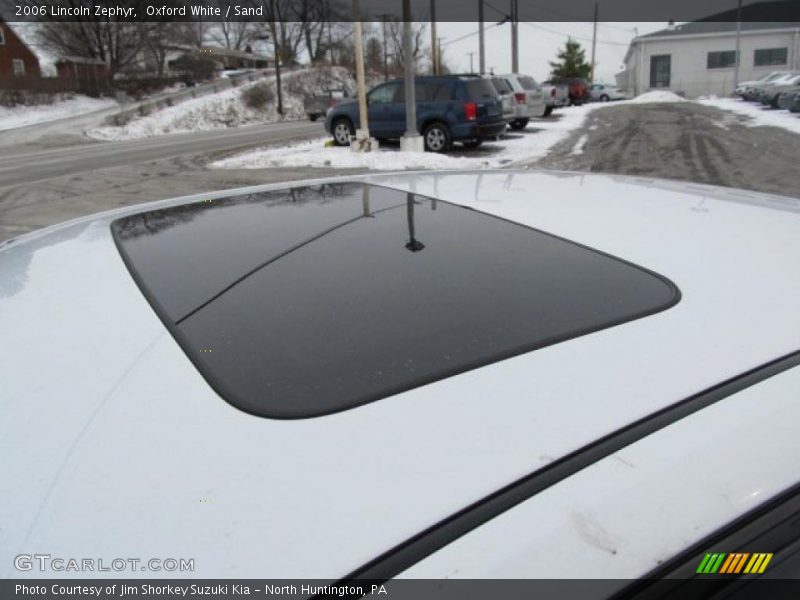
680,141
26,167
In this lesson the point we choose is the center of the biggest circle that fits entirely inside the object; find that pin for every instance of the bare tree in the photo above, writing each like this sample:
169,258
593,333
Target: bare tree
235,35
193,33
394,30
160,38
117,43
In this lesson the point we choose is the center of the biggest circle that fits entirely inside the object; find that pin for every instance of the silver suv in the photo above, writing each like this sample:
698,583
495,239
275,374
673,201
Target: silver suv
529,100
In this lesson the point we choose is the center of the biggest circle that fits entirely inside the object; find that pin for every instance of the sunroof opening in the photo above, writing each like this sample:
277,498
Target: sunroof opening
308,301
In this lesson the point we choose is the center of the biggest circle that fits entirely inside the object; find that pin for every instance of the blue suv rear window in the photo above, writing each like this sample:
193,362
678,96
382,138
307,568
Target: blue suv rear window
312,300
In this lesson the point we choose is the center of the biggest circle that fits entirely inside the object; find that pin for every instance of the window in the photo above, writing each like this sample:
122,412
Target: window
770,56
528,83
660,67
501,85
721,60
385,94
19,66
480,89
440,91
308,301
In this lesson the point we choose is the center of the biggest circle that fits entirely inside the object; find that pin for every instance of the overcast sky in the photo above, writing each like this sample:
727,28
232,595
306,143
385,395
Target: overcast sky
538,44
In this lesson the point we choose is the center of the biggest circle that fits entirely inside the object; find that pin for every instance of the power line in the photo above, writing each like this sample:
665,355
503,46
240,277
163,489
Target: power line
573,36
469,35
561,33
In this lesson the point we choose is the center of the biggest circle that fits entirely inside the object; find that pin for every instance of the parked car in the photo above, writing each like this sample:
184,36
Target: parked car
506,93
529,100
450,108
556,95
603,92
316,105
429,375
763,91
786,98
769,93
578,89
742,88
794,103
790,99
753,91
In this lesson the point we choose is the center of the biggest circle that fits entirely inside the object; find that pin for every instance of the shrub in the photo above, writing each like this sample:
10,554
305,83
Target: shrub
194,68
257,96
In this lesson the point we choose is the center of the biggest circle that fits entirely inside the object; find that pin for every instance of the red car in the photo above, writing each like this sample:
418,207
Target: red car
578,89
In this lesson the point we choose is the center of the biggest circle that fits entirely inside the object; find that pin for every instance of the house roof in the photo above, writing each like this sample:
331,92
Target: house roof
28,34
81,60
754,17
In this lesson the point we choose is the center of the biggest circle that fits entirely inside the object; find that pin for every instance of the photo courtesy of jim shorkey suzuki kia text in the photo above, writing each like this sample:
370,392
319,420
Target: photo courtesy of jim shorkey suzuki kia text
127,590
198,10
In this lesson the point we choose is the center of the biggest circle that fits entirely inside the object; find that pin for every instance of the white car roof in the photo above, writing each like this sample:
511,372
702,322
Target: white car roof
725,461
111,428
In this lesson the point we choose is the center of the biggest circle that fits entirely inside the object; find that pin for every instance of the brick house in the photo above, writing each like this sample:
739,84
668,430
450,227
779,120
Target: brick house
16,58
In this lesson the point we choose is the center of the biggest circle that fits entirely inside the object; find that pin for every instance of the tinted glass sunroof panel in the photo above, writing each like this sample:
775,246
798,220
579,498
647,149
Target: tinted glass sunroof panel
306,302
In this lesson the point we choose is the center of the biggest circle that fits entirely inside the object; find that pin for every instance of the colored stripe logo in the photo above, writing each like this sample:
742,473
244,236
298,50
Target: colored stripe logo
734,563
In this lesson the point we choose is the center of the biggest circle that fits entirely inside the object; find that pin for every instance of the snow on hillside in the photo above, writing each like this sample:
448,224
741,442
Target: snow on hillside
228,108
21,115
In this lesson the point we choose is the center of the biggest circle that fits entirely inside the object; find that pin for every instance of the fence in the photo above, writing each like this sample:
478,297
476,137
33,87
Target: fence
30,89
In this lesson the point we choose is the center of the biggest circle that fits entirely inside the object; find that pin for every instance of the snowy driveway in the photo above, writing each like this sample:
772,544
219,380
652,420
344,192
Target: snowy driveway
741,146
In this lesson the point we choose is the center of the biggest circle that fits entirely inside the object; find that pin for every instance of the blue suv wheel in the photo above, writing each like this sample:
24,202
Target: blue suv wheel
437,138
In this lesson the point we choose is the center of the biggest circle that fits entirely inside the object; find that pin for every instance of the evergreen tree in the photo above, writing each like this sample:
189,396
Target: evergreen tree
571,62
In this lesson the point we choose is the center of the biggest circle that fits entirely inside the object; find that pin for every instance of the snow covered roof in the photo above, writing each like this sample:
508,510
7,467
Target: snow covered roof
28,33
82,60
754,17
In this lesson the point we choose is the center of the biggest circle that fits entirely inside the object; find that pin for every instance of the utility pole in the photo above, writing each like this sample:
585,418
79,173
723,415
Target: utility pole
481,49
411,140
276,50
594,42
439,55
362,141
514,37
738,35
471,54
434,57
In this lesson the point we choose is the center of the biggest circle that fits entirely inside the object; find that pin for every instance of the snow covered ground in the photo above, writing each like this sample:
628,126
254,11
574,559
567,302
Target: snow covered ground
653,97
20,116
228,108
758,115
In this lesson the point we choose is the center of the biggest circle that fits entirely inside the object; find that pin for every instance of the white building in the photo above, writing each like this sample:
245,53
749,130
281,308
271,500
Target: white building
699,58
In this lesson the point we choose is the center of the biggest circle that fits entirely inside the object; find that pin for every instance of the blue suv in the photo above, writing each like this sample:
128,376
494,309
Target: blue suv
450,108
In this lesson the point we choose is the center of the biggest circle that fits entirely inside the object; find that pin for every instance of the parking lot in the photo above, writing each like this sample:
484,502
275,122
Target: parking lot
686,141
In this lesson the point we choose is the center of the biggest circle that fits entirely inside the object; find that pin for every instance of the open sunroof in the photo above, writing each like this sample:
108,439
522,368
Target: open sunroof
307,301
